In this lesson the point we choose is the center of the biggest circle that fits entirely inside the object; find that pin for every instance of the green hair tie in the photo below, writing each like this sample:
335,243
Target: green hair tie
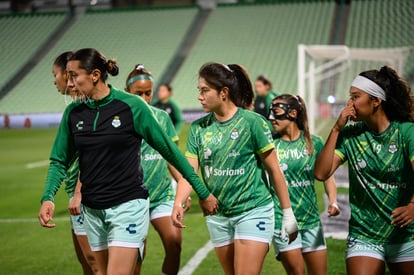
139,77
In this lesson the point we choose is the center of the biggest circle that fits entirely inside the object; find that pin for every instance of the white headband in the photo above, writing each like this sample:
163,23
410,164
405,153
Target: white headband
368,86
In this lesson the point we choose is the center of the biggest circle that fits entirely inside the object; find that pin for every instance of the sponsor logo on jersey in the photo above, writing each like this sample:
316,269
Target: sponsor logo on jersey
233,154
116,122
79,125
361,164
148,157
212,138
210,171
207,153
300,183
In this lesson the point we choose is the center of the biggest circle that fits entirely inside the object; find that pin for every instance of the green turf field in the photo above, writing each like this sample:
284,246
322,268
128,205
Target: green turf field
28,248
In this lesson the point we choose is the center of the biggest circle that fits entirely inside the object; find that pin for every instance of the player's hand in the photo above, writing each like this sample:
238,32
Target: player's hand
75,204
46,214
289,225
403,216
347,113
187,204
209,205
177,215
333,209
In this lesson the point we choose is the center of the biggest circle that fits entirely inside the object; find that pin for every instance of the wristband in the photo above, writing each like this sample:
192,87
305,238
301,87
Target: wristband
334,204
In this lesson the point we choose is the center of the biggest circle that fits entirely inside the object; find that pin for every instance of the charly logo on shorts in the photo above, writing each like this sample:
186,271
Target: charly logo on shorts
116,122
131,229
261,226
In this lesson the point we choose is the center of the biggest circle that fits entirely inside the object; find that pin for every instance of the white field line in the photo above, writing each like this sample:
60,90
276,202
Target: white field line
20,220
37,164
195,261
188,269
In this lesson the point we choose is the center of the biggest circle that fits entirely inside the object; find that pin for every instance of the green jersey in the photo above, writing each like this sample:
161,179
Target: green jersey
381,178
156,174
72,175
298,167
227,153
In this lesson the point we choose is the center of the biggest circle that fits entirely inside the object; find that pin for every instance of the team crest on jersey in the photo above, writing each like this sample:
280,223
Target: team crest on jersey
234,134
116,122
392,148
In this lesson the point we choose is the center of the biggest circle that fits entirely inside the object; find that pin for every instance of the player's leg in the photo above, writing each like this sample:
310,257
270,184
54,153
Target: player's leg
249,256
82,244
316,262
101,257
127,226
292,261
171,240
290,254
314,251
400,258
87,270
365,258
362,265
140,260
225,255
222,236
170,235
403,268
253,235
97,237
122,260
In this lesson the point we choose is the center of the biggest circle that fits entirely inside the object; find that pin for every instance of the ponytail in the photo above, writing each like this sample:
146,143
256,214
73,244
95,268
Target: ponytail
399,104
243,94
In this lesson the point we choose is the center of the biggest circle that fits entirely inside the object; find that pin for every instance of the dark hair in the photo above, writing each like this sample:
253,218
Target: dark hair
234,77
168,86
262,78
62,60
399,103
139,69
91,59
297,103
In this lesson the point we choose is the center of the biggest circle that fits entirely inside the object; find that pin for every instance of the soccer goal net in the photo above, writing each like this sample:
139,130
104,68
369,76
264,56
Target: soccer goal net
325,73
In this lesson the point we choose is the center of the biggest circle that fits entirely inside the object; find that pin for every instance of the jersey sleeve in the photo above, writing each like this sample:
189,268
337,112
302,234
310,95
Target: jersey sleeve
166,122
317,143
408,132
192,147
263,140
179,122
340,142
148,127
62,155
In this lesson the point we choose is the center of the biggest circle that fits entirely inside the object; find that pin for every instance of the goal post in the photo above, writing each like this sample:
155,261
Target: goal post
326,71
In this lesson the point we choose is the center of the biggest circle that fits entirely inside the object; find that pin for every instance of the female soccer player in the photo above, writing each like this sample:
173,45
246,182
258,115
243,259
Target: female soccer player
379,148
80,241
297,150
107,130
157,174
231,146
